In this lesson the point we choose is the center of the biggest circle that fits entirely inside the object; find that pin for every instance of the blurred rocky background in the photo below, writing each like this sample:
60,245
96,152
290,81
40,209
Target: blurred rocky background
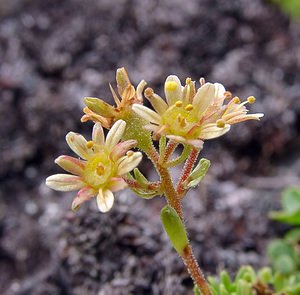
53,53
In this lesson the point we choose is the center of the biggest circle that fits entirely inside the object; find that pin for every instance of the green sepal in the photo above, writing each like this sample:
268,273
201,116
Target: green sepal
99,106
145,194
140,178
197,174
174,228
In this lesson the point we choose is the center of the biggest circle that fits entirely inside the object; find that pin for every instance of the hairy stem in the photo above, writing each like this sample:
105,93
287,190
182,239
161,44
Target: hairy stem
174,200
195,271
189,164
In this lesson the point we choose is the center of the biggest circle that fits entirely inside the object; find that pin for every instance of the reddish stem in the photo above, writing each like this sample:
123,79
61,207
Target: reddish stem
189,164
171,146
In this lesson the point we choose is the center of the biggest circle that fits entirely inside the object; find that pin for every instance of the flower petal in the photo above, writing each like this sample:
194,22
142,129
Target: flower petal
128,163
219,93
139,90
83,195
77,143
117,184
105,200
173,89
204,97
244,117
159,105
212,131
70,164
64,182
98,134
115,134
196,143
122,148
146,113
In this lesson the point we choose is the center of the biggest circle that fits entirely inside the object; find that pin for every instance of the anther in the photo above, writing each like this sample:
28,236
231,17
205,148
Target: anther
228,95
89,144
171,86
189,107
236,100
178,103
100,169
202,81
251,99
149,92
188,81
130,153
220,123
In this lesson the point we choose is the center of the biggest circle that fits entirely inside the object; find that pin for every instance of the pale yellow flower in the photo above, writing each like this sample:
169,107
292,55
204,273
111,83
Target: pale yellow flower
97,110
101,167
189,116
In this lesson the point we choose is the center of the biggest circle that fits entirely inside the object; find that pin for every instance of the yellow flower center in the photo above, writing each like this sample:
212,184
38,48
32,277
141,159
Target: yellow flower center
98,170
181,120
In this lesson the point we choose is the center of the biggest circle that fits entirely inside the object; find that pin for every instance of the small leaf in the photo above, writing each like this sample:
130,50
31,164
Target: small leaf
293,236
291,199
197,174
174,228
140,178
265,275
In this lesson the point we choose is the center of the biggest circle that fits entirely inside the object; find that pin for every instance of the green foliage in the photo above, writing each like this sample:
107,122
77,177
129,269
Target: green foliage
291,7
249,282
291,207
174,227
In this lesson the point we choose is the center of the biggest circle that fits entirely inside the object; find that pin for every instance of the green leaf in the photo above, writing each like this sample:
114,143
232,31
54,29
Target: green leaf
285,217
265,275
196,291
174,228
291,199
285,264
140,178
293,236
197,174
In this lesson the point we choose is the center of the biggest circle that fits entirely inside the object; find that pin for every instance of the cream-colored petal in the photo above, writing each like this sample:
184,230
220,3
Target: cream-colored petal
115,134
83,195
117,184
159,105
244,117
77,143
128,163
212,131
219,93
64,182
105,200
173,89
98,134
204,97
70,164
122,148
196,143
146,113
177,138
139,90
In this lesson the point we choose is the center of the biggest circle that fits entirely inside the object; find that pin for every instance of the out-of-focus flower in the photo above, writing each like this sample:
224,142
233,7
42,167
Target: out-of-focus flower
98,110
101,167
190,117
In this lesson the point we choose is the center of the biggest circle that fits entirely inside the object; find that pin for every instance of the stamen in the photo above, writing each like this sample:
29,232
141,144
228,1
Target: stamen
171,86
251,99
89,144
189,107
228,95
220,123
129,153
236,100
178,103
188,81
202,81
100,169
149,92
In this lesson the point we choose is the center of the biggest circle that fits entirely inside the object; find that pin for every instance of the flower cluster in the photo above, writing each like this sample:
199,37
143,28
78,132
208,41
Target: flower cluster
101,167
189,116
